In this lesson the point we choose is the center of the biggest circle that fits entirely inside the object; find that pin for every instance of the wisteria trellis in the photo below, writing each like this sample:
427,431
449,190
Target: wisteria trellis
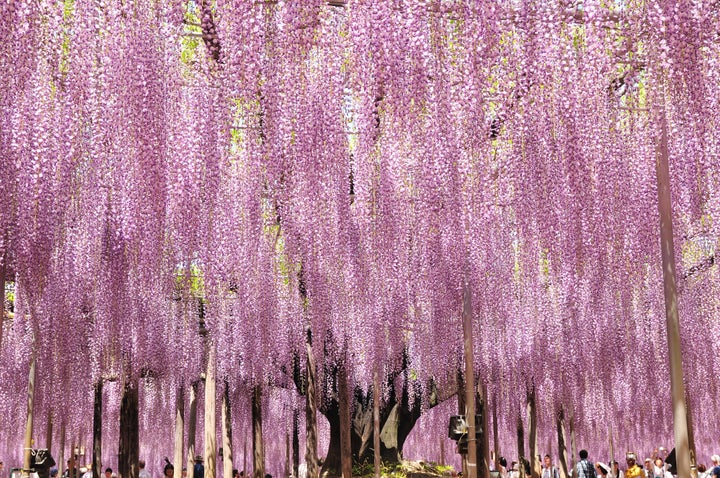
387,149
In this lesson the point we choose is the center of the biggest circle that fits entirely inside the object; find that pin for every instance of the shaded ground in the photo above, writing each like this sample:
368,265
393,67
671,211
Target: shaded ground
407,469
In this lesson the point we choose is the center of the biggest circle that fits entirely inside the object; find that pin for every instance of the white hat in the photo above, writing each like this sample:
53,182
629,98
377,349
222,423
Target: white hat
715,459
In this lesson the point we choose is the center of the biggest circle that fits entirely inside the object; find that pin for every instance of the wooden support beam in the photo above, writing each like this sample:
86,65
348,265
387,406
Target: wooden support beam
210,415
29,416
97,430
344,406
179,431
227,434
467,317
192,428
376,423
258,444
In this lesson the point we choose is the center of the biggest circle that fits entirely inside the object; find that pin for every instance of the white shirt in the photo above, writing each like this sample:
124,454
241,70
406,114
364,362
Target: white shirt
144,474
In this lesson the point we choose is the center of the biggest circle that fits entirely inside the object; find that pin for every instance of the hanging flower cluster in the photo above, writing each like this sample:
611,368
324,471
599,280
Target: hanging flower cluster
178,176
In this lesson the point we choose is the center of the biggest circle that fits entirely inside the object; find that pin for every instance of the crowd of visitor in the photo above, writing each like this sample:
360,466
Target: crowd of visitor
86,471
657,466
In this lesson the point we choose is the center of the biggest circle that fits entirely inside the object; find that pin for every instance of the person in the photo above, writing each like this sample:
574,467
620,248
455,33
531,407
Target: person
184,472
602,469
702,469
502,470
199,468
2,468
714,472
649,468
616,471
633,470
70,470
549,471
236,473
661,469
143,472
584,468
169,470
108,472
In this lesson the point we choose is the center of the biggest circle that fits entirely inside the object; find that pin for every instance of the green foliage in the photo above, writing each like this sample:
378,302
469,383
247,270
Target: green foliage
403,469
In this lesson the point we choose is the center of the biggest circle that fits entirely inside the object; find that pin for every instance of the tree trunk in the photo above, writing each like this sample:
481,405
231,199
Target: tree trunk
179,431
532,425
29,418
227,434
129,449
344,405
562,448
521,446
97,430
258,445
192,428
210,415
287,455
311,459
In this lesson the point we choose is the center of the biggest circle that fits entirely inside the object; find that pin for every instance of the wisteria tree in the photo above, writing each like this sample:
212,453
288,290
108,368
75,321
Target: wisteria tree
188,187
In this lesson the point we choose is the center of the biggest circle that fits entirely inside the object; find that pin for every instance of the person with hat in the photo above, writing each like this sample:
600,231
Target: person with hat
602,469
633,470
199,468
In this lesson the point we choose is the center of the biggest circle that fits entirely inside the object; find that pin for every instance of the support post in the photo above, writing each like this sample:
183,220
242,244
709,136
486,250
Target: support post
210,416
311,458
469,382
521,445
227,434
61,453
677,387
532,433
573,450
97,430
179,431
496,439
483,443
376,423
344,406
49,432
29,418
258,445
296,442
192,428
